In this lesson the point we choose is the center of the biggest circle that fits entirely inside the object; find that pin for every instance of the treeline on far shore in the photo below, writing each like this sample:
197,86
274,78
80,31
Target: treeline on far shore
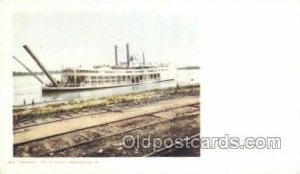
36,73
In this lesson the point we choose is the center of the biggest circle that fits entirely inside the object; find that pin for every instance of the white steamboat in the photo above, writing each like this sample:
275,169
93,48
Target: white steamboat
107,76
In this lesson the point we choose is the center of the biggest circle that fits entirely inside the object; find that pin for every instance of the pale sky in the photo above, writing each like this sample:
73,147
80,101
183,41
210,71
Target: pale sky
88,38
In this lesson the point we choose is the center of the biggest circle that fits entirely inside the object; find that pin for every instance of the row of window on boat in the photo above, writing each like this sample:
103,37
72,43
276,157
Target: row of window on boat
96,71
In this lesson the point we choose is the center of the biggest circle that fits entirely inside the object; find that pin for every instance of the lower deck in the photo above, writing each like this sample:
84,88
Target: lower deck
107,85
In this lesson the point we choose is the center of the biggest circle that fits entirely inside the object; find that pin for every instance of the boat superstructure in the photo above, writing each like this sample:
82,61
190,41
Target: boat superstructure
104,77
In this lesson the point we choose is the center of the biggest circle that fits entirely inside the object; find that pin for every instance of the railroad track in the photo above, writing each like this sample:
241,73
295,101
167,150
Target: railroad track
36,132
18,125
102,111
95,111
63,117
46,143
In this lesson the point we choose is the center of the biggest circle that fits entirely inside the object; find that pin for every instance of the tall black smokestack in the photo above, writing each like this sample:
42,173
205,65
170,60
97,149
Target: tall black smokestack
127,51
116,54
144,60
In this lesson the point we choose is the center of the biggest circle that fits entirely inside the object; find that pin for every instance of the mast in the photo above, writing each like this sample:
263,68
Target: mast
127,51
40,80
40,65
116,55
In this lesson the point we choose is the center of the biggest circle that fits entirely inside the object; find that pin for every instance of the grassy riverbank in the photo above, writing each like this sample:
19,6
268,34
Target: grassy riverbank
84,105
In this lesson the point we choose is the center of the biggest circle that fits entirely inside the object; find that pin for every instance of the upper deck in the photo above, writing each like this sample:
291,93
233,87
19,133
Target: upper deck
78,71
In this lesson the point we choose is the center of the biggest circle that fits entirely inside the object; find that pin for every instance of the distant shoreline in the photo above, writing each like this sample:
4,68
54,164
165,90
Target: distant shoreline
58,72
188,67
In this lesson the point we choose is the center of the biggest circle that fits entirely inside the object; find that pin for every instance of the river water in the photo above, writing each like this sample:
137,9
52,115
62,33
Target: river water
28,88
